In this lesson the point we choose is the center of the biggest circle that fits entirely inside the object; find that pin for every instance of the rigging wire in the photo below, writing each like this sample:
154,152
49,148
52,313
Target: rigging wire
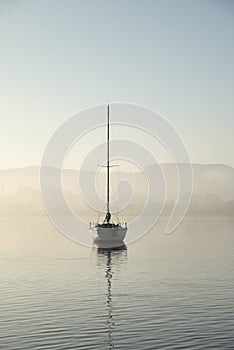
99,136
115,153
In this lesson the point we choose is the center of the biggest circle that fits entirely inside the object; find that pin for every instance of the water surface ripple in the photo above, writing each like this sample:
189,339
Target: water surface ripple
161,293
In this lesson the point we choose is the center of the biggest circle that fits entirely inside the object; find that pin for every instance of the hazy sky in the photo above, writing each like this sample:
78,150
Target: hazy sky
57,57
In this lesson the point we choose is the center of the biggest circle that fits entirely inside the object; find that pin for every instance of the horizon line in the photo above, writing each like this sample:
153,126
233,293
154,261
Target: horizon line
163,163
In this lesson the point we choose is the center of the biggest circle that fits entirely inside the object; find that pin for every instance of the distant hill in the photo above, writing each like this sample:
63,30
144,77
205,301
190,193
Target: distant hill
213,191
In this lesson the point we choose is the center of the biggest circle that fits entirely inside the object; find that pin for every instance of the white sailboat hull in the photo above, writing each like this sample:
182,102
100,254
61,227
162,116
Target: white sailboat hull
109,234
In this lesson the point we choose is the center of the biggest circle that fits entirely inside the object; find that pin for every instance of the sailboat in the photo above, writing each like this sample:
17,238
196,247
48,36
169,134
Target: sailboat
108,233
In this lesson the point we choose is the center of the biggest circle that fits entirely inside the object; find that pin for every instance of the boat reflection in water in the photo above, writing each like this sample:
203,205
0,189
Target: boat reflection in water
111,259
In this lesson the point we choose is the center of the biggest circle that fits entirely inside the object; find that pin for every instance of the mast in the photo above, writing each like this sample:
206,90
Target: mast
108,216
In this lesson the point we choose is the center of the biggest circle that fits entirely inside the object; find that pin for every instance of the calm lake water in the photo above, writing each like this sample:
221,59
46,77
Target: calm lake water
162,292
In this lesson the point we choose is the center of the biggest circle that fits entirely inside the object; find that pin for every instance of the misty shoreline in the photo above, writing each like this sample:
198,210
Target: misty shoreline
213,191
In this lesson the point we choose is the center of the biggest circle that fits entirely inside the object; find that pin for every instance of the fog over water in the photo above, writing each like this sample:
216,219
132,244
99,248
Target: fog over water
213,191
161,292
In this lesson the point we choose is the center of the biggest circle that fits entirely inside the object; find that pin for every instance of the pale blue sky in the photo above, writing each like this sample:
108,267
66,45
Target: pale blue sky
57,57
